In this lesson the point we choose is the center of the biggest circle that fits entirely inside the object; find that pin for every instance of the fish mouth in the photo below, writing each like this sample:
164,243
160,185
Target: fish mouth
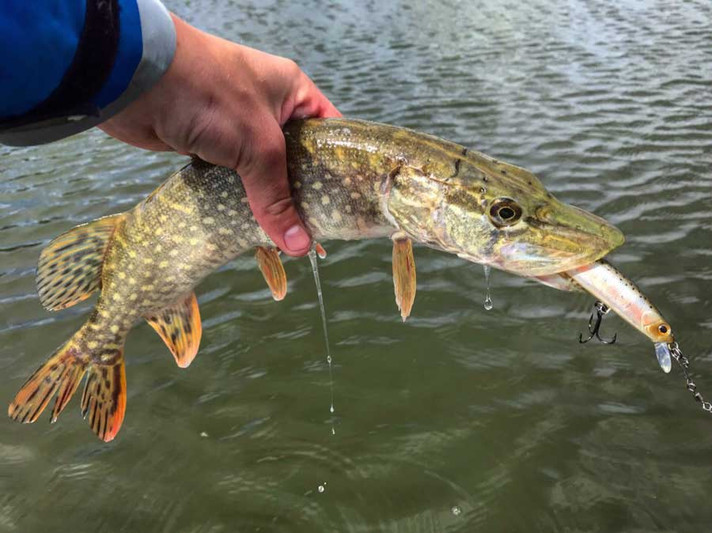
560,237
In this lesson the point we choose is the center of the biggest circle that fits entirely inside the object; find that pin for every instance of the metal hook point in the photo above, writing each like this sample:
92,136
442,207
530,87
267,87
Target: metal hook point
594,325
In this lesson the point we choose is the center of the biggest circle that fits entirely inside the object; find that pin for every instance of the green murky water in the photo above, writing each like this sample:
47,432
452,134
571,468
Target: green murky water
461,419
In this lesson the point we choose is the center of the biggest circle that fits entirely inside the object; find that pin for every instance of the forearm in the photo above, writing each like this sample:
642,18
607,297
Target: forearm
49,91
184,90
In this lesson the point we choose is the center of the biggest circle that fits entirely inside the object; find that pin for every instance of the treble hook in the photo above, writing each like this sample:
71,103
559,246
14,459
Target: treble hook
601,310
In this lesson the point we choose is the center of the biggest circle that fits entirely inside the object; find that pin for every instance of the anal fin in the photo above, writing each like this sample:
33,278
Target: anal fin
69,268
180,328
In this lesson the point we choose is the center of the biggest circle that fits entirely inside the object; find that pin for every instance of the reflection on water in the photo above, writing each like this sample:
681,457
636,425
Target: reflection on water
460,419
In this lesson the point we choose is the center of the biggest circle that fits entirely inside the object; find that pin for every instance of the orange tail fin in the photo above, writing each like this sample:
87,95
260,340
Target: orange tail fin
63,370
104,397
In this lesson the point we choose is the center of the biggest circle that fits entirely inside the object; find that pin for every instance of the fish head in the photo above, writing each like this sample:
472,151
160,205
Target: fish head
497,214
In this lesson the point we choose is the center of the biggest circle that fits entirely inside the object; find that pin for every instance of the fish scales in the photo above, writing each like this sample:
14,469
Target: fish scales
350,179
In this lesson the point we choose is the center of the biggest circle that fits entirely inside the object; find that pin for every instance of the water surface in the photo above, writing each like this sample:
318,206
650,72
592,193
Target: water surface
461,419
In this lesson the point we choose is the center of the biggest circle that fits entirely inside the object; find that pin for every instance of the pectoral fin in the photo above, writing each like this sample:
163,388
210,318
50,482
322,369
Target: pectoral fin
273,271
180,328
403,274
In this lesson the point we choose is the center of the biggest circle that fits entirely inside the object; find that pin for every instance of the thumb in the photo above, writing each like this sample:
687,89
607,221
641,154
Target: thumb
265,180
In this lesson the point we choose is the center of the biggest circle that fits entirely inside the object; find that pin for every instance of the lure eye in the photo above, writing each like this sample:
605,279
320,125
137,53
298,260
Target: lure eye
663,328
504,212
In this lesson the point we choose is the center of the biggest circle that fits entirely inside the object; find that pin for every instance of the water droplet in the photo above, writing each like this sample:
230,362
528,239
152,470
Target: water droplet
488,305
456,510
321,488
203,434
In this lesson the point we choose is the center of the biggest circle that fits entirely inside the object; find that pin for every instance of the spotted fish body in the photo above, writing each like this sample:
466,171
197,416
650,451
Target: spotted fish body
350,180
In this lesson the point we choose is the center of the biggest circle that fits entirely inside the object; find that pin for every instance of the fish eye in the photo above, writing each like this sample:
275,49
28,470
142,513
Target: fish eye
504,212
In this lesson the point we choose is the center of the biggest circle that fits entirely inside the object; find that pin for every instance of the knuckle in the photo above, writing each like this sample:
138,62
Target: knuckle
291,67
280,208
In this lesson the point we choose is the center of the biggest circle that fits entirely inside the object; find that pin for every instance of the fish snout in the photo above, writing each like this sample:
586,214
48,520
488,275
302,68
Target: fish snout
560,237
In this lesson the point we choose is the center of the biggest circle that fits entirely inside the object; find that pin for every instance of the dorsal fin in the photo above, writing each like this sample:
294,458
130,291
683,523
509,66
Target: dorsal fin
69,269
180,328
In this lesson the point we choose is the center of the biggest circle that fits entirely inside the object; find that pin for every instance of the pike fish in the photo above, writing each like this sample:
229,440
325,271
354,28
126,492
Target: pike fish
350,180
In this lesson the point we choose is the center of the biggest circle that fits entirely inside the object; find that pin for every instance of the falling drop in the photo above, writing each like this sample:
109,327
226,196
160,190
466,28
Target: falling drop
321,488
488,305
315,270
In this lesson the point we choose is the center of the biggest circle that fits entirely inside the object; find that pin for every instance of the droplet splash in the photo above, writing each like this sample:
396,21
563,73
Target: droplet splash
662,352
456,510
488,305
313,253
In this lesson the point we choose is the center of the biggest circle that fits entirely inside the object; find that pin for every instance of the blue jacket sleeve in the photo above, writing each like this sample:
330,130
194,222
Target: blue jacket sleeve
68,65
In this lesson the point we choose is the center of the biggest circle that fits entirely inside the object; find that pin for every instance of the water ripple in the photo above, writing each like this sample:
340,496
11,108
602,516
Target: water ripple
450,421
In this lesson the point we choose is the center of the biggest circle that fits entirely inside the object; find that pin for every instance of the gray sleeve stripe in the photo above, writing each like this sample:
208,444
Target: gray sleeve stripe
159,44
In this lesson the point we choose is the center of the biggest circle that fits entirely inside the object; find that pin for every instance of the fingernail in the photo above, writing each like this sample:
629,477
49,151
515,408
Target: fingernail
296,239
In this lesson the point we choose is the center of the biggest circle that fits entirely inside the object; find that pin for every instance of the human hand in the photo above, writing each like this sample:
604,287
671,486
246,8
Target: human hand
226,103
